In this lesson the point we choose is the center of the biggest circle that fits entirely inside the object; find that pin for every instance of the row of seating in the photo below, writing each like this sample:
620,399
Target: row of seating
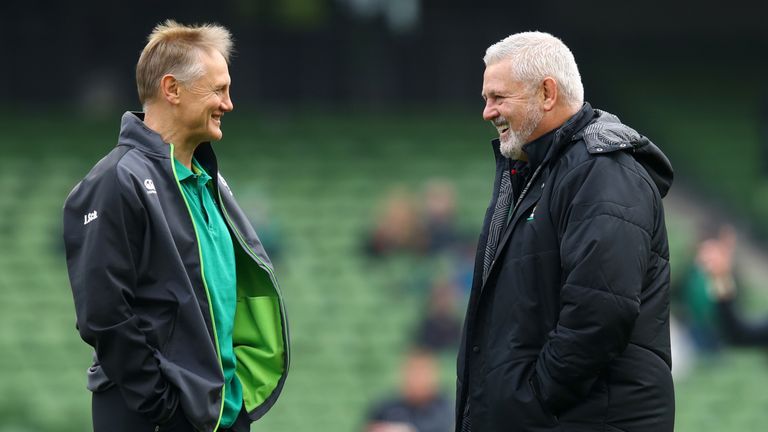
351,317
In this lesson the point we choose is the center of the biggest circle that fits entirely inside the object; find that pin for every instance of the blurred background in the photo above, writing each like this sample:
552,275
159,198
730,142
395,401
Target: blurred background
357,147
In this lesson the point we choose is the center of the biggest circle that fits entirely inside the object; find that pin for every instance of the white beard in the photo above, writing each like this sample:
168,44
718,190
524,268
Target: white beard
512,146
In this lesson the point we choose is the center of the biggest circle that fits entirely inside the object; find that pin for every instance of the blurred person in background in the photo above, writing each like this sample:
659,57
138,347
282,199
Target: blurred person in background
398,227
440,225
693,294
716,258
419,407
172,287
567,326
440,328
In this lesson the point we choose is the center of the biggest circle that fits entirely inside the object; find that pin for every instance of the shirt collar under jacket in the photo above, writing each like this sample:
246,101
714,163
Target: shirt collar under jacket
197,172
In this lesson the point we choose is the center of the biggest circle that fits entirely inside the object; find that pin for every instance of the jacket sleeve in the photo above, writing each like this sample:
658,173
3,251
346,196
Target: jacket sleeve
103,225
605,216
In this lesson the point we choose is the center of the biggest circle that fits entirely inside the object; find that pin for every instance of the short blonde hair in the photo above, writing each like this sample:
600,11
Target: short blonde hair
174,48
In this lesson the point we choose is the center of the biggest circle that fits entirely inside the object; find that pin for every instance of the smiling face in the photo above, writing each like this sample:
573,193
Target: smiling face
204,101
512,107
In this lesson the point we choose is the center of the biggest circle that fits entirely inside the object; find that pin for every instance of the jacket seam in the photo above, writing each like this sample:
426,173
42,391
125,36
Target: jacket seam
648,233
630,299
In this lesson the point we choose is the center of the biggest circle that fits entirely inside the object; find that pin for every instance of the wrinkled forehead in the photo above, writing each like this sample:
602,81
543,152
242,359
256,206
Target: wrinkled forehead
498,78
215,65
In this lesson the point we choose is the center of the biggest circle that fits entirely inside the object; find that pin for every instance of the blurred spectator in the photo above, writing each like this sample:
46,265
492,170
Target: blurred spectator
716,258
422,225
442,233
698,308
419,407
398,227
440,328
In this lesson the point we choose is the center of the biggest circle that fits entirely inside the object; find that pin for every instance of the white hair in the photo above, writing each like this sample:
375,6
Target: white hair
537,55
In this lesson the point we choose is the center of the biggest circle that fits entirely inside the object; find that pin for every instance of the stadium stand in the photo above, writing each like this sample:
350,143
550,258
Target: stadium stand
350,317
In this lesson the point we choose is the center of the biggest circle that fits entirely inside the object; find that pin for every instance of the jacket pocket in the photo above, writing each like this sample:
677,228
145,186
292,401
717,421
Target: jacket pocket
592,409
511,400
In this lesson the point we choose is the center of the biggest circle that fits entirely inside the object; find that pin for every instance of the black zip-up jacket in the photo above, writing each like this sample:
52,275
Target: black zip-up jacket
570,331
141,301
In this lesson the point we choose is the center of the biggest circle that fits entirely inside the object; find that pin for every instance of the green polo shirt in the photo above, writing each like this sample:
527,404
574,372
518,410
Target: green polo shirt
219,273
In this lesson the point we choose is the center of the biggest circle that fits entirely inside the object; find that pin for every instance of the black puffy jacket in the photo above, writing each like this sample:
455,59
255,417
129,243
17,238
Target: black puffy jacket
570,331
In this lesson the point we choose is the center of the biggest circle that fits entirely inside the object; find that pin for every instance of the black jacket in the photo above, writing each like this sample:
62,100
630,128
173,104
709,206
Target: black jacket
136,275
570,331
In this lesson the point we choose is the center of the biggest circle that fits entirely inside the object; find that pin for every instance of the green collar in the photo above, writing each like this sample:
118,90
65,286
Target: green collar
184,173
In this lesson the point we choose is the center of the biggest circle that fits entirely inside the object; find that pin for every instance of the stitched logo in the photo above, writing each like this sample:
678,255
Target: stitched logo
150,185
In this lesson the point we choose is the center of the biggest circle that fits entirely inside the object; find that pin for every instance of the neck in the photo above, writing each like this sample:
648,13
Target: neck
183,153
162,123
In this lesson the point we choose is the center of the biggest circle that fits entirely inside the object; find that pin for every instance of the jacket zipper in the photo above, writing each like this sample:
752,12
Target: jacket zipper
524,192
511,214
269,271
205,285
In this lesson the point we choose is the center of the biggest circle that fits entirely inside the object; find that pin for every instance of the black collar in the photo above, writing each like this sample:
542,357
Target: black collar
537,149
135,133
550,144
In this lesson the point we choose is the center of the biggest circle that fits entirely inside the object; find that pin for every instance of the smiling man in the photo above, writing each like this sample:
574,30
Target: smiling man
172,287
567,327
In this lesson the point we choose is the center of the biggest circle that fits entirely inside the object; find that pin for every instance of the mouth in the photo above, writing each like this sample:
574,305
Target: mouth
216,119
502,125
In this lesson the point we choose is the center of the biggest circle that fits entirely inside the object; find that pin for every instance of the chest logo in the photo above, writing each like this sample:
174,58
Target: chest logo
150,185
90,217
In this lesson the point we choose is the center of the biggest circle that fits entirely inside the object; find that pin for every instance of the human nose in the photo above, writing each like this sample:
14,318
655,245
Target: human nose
226,103
489,111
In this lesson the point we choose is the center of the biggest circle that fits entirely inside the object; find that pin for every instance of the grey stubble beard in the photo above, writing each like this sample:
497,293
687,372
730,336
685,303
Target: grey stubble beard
512,146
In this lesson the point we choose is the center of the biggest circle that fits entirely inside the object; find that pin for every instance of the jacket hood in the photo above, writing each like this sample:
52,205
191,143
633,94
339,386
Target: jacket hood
608,134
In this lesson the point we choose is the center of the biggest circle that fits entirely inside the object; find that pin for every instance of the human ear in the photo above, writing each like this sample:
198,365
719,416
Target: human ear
170,88
549,93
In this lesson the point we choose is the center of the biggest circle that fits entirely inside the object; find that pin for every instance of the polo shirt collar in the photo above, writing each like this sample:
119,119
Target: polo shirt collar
183,173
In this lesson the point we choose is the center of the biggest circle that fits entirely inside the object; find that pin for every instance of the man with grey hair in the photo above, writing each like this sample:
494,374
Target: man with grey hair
171,284
567,327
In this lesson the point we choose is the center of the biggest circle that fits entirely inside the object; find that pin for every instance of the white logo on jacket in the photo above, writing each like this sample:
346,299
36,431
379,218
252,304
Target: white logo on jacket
224,182
150,185
90,217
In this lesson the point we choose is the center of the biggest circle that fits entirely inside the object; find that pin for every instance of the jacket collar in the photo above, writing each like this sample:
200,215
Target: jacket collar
568,131
550,144
135,133
538,149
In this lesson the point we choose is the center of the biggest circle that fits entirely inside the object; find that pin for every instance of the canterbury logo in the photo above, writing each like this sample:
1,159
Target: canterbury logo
90,217
150,185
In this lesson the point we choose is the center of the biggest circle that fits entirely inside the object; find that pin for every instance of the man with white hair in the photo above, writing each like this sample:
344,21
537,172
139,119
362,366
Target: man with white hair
171,284
567,327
